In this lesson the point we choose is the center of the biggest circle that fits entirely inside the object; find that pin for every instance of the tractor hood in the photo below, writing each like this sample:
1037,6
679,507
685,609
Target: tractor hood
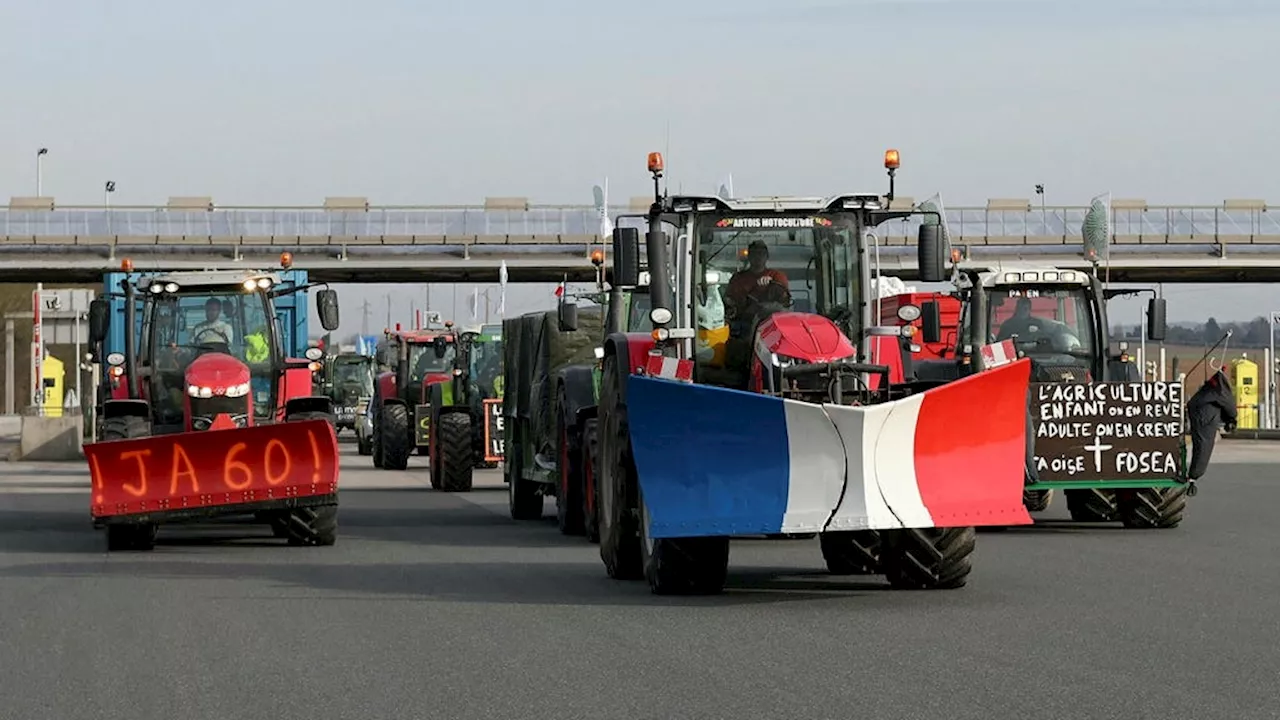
216,375
811,338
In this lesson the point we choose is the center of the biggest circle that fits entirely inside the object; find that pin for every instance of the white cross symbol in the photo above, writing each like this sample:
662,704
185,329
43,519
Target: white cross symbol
1097,448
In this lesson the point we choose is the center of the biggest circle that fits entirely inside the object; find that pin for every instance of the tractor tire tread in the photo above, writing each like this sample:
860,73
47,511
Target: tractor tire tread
397,446
1091,505
314,526
454,444
928,558
1037,500
688,566
1152,508
855,552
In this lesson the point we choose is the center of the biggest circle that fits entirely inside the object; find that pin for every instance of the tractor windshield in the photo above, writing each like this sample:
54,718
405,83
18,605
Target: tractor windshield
487,366
423,360
638,314
753,265
224,320
353,377
1043,321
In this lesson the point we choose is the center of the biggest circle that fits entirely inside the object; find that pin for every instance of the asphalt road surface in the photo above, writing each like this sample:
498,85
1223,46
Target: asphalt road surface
440,606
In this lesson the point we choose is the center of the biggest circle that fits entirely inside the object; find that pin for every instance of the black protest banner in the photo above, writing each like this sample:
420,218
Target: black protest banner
1088,432
493,430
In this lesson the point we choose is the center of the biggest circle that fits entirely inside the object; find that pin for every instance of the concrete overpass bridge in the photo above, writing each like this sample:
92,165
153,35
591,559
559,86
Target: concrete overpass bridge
349,240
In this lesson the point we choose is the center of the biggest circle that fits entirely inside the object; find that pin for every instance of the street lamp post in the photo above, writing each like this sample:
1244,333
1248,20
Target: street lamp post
1044,217
1272,407
40,171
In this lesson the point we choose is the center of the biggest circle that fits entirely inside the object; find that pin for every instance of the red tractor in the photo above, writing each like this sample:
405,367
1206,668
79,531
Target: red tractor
905,309
417,360
207,416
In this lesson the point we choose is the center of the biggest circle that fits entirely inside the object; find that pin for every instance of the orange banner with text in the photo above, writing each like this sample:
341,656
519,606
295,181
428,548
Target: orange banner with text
213,467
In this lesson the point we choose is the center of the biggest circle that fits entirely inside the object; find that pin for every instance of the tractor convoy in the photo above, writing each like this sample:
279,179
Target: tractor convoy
735,372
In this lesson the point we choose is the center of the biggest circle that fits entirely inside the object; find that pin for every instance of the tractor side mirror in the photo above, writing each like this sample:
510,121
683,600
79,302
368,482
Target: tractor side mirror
931,254
626,257
99,320
1157,324
327,308
440,346
931,321
568,317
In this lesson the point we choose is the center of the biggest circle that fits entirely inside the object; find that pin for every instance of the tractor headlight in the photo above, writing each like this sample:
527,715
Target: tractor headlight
599,353
250,285
908,313
238,391
660,316
314,353
200,391
264,283
157,288
171,288
115,359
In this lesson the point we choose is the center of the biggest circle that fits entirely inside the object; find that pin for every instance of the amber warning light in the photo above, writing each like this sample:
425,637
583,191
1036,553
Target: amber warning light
597,257
655,162
891,160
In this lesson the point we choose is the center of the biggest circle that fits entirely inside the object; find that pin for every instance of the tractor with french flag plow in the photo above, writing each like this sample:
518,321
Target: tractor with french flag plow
1112,440
799,420
207,415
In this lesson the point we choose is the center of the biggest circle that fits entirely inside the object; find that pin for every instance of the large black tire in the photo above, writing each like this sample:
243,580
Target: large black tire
927,558
375,441
312,525
365,446
139,537
590,453
454,450
1152,508
855,552
1037,500
125,428
397,445
569,500
1089,505
620,546
683,566
523,499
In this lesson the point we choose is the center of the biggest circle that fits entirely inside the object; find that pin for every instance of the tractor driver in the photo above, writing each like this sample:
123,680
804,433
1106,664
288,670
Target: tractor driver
754,281
214,329
1022,323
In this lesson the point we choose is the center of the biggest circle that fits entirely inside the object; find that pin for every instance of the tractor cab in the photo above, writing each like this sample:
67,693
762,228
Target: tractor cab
209,353
348,382
416,360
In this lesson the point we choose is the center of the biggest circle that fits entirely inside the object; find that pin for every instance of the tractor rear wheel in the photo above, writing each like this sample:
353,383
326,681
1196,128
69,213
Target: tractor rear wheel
590,454
1037,500
1090,505
620,545
139,537
569,501
523,499
125,428
855,552
927,558
453,446
312,525
1152,508
397,445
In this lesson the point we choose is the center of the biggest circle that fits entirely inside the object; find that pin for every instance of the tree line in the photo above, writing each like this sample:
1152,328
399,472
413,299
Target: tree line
1255,333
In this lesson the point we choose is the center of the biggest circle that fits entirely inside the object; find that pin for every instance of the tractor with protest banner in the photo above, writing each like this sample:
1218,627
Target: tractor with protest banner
415,360
1113,442
800,421
465,411
211,417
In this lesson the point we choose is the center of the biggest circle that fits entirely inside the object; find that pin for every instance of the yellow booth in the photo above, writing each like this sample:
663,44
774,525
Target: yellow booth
54,374
1244,386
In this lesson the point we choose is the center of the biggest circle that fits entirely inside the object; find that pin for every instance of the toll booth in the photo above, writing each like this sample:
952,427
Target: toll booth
1244,386
54,378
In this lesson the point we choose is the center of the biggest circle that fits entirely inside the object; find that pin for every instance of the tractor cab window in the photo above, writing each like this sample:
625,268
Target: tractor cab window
185,325
486,366
638,315
1043,321
423,361
353,376
752,266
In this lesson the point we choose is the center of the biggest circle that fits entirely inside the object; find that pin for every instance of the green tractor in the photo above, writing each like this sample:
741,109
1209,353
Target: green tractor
465,416
348,382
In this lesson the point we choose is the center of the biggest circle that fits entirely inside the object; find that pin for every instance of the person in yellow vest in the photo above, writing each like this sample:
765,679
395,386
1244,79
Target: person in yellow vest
256,348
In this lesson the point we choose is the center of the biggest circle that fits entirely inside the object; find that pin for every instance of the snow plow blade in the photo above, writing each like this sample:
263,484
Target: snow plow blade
713,461
287,464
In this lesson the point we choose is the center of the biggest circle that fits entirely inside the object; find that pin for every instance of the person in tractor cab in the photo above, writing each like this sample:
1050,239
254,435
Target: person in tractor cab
1021,323
214,330
753,282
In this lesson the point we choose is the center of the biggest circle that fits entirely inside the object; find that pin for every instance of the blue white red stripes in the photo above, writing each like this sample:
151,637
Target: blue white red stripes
713,461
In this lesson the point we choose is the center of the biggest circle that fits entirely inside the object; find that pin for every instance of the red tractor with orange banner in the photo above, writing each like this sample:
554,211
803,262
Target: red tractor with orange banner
208,417
401,396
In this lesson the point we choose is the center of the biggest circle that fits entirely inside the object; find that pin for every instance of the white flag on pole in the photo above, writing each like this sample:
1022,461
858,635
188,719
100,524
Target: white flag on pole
502,284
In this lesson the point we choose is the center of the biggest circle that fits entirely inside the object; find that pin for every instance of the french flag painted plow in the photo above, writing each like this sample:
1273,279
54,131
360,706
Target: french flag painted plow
717,462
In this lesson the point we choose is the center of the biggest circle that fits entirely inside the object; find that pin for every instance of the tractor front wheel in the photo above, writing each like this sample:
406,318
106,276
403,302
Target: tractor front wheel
683,566
927,558
312,525
1037,500
137,537
396,442
1152,508
125,428
853,552
453,448
1090,505
523,499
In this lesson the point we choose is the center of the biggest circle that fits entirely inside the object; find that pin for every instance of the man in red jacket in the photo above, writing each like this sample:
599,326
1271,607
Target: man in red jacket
755,280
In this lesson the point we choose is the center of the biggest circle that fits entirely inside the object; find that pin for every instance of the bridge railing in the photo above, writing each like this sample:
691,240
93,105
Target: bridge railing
553,224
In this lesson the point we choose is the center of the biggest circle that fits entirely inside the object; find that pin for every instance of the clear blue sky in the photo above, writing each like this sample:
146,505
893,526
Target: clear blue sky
430,102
